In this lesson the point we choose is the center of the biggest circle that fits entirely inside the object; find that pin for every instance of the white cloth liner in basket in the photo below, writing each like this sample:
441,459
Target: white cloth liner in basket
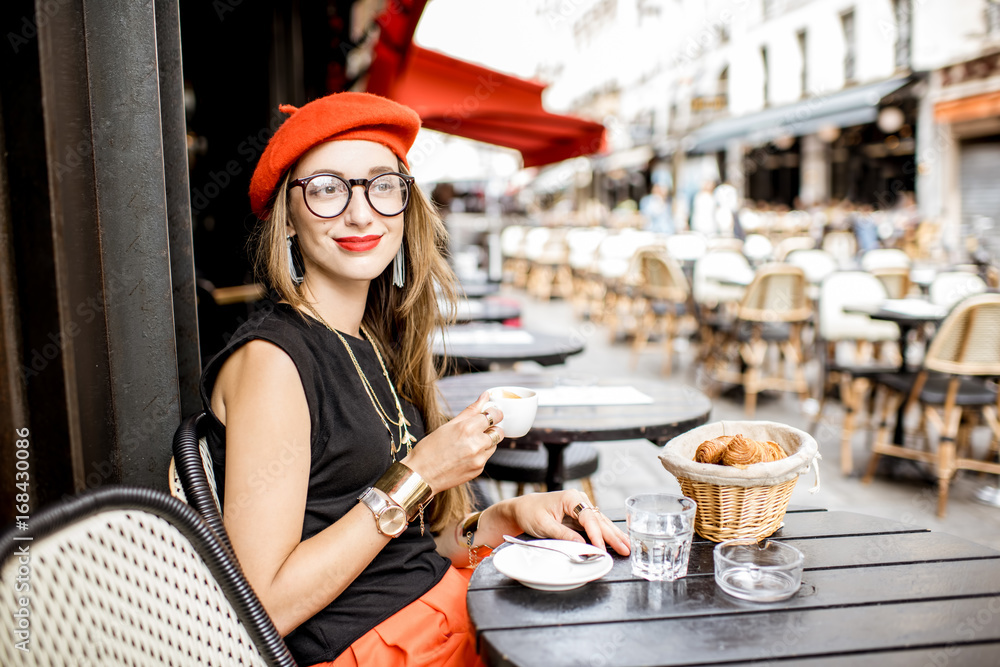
803,453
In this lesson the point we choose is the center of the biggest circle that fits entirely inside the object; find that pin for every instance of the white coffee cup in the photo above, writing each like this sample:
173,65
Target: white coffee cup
518,405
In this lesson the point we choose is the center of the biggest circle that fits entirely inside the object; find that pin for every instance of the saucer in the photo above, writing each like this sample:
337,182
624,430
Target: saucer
545,571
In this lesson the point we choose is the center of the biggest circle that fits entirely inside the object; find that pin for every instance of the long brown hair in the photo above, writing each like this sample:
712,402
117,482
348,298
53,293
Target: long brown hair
401,320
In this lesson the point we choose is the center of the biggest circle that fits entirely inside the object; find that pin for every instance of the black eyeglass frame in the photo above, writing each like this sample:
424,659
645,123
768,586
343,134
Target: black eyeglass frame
351,184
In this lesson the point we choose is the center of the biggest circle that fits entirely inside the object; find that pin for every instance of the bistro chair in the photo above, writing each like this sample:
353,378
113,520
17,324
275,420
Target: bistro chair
549,255
663,292
758,248
583,243
842,245
686,246
952,387
719,282
852,347
816,264
515,264
885,258
950,287
895,280
130,576
192,473
524,466
787,245
771,316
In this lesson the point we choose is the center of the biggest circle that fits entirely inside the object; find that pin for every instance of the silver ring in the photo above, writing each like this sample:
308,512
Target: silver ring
579,509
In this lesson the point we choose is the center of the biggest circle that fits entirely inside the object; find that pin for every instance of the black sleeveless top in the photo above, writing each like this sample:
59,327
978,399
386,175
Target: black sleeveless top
350,451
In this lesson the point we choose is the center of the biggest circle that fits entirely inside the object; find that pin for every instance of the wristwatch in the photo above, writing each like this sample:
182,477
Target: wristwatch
390,518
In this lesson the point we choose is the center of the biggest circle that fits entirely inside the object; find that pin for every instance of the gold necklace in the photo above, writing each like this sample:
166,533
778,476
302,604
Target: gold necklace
404,434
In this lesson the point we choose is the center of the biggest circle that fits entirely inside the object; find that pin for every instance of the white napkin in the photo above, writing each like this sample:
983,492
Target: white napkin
562,396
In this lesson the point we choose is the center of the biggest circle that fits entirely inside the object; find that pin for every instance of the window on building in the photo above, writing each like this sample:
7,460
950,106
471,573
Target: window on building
763,60
850,46
993,18
800,36
903,11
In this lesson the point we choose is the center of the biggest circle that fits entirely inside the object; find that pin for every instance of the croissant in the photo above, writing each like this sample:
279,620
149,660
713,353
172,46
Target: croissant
738,451
711,451
741,452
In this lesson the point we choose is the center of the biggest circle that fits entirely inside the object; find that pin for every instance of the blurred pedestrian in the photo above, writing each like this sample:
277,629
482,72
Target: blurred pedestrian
655,208
703,211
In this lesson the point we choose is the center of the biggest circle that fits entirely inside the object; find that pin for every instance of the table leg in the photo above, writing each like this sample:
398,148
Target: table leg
904,337
556,473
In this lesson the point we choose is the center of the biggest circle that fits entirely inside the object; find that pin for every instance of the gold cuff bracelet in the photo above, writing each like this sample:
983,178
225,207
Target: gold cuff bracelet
406,488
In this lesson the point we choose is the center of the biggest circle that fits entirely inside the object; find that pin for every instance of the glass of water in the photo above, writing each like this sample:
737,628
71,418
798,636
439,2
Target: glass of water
660,528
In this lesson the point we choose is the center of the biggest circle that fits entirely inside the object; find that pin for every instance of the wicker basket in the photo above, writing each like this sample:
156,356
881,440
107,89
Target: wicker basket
733,502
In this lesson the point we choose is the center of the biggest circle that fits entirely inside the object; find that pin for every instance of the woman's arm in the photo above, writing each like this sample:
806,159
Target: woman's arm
260,399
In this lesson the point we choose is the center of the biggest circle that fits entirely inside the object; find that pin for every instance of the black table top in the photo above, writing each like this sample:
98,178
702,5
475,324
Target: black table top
901,317
874,592
673,411
476,347
487,309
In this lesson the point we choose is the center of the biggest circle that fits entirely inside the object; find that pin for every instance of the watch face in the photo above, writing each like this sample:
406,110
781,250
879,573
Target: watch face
392,520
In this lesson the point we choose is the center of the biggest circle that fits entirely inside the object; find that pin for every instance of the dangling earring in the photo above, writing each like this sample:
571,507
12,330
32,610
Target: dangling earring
294,269
399,268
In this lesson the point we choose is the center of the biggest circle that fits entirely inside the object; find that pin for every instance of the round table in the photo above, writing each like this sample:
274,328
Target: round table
475,348
487,309
673,410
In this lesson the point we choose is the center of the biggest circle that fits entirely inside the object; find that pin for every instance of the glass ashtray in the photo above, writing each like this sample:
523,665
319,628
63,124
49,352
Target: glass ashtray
763,571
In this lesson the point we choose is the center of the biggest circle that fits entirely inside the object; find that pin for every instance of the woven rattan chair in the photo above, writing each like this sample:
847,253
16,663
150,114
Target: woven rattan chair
895,280
772,314
853,348
662,293
129,576
951,386
192,474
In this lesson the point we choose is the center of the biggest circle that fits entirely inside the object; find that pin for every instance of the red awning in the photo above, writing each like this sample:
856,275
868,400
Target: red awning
471,101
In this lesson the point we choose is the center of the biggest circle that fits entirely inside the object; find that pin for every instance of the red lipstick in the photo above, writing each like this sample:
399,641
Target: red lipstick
358,243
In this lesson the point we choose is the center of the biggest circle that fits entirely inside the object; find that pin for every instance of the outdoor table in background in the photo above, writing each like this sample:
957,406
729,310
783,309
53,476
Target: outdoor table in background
668,410
475,347
908,314
874,592
478,290
487,309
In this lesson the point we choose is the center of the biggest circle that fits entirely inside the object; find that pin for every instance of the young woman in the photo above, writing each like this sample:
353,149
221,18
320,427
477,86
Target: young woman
344,486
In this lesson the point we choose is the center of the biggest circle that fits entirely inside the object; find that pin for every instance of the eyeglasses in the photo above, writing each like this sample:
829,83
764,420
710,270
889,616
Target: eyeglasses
329,195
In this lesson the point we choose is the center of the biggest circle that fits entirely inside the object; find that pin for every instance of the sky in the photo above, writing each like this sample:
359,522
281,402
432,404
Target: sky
504,35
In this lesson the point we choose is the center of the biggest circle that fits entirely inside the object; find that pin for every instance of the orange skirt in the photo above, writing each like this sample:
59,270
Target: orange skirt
432,631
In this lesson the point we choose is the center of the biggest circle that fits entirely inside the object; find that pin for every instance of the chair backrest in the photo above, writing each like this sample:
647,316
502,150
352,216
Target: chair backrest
885,258
950,287
896,280
816,264
511,240
786,246
842,245
846,289
534,242
721,265
777,294
130,576
686,246
660,275
757,248
195,474
968,341
583,243
615,254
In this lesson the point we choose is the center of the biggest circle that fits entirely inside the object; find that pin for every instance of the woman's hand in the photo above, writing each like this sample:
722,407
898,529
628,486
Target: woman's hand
458,451
551,515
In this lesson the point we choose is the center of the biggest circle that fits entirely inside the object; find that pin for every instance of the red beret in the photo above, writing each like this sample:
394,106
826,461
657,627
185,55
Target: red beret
341,116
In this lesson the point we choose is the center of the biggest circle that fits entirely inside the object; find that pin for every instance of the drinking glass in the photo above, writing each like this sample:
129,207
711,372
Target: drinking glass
660,528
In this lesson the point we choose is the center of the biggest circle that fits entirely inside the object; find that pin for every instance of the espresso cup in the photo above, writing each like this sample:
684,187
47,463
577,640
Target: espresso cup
518,405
